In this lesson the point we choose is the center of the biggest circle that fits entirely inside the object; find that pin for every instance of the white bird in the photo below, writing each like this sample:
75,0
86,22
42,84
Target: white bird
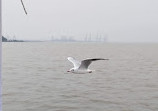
82,67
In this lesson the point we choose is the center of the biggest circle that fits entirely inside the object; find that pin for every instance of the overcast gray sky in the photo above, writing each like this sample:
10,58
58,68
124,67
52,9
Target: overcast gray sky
121,20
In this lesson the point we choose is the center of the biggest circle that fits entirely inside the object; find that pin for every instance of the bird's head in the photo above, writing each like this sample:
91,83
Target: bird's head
71,70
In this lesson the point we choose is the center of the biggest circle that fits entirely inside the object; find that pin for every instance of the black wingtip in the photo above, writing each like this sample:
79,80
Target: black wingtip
101,59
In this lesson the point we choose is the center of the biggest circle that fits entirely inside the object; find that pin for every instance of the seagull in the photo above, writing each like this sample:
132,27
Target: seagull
82,67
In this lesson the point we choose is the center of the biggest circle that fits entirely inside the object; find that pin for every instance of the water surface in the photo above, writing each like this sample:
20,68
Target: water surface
35,78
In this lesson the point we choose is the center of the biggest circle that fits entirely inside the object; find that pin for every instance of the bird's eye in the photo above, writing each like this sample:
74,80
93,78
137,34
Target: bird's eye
72,69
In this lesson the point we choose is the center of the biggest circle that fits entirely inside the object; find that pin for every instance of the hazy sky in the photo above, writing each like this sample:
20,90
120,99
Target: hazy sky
121,20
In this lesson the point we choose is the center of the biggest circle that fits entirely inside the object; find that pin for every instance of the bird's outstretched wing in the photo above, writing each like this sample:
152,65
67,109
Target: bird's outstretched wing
75,62
85,63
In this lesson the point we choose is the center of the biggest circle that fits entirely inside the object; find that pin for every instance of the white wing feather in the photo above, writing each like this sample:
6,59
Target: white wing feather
75,62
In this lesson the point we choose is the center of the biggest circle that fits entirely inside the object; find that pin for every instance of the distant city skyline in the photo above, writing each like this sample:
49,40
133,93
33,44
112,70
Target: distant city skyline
120,20
64,37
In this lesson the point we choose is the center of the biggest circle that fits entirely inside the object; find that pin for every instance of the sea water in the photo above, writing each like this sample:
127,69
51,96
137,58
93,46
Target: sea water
35,77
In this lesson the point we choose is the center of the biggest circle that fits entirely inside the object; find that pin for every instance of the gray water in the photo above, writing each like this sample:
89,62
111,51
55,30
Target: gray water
35,78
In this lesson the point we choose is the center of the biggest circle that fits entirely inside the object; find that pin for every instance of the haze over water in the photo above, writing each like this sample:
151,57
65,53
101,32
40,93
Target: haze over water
35,79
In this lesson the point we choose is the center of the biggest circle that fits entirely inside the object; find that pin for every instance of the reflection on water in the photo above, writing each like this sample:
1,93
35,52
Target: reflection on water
35,78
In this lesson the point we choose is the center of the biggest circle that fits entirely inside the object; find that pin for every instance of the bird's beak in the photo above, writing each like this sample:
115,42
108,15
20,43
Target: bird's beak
68,71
